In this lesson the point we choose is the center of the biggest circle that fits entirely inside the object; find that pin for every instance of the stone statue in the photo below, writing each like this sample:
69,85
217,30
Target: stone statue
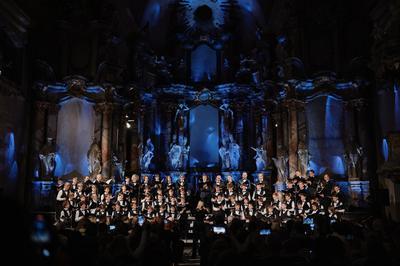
351,160
147,155
226,119
180,115
228,113
174,155
261,158
184,152
234,153
224,154
304,160
229,153
363,169
47,156
94,159
281,164
118,168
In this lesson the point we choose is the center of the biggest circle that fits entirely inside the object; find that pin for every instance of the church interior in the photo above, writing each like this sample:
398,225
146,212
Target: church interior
200,99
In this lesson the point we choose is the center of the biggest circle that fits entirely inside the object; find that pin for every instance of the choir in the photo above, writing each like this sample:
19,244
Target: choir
142,198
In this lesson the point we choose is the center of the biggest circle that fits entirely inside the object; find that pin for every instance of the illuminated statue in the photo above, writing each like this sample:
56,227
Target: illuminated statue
363,162
118,168
261,158
226,119
47,156
180,115
234,153
94,158
228,113
304,159
174,154
184,152
351,160
282,167
147,155
224,154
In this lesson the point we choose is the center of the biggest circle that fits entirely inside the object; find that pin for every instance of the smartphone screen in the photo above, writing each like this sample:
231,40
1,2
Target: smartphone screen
219,230
265,232
308,221
140,220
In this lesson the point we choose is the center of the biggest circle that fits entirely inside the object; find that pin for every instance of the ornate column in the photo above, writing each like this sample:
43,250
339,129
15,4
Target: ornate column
137,148
269,145
167,132
156,134
349,124
239,129
39,134
364,137
280,158
302,146
133,149
249,125
52,118
265,128
293,138
106,109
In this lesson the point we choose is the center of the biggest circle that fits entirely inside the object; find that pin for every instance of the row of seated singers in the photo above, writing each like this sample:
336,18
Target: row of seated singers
304,197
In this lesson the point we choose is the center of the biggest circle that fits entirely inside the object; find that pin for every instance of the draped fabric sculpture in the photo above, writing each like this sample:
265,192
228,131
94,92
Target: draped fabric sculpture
47,156
281,164
260,157
94,159
146,155
229,153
